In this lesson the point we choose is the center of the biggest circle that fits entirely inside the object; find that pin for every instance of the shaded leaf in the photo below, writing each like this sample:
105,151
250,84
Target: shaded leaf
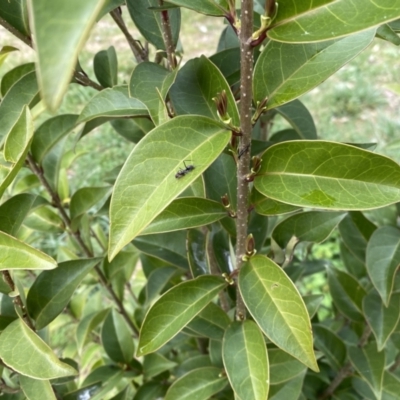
16,14
36,389
87,325
13,76
197,251
266,206
154,364
283,366
208,7
277,307
105,65
287,390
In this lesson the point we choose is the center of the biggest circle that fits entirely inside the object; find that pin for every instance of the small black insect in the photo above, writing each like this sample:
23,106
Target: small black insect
182,172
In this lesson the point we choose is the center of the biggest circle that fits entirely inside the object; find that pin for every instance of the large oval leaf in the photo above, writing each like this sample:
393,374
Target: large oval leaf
35,389
15,254
175,309
25,352
311,21
328,175
383,259
58,52
52,290
277,307
284,71
147,182
246,360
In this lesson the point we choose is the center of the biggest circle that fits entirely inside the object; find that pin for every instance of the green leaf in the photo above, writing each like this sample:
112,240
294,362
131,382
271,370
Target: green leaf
44,219
69,23
246,360
133,129
175,309
12,106
15,254
312,302
211,322
287,390
266,206
186,213
4,52
154,364
331,346
149,22
199,384
190,95
52,290
312,226
25,352
16,14
87,325
284,71
277,307
228,62
197,252
347,294
112,103
385,32
382,319
105,65
117,338
14,75
35,389
147,182
313,21
391,386
370,364
328,175
383,258
283,366
50,133
217,8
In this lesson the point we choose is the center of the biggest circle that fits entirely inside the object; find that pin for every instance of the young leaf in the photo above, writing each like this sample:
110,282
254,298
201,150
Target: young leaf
383,259
147,182
15,254
35,389
25,352
199,384
311,22
105,65
284,71
328,175
52,290
175,309
277,307
246,360
58,53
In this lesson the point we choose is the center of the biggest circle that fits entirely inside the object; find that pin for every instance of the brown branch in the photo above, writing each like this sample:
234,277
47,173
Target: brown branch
167,37
76,234
139,53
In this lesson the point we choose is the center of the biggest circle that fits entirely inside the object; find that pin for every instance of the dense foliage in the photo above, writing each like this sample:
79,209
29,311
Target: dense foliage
194,270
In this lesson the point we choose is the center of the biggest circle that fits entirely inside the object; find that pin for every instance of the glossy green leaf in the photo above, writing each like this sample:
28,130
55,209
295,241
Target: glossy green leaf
175,309
266,206
50,133
16,14
21,93
149,23
157,280
112,103
105,65
35,389
150,83
300,118
15,210
147,182
277,307
15,254
391,386
382,319
331,345
370,364
154,364
4,52
284,71
246,360
52,290
312,226
312,302
208,7
328,175
347,294
25,352
199,384
13,76
189,94
283,367
385,32
150,390
44,219
383,259
287,390
186,213
228,62
197,251
133,129
87,325
313,21
211,322
117,338
58,53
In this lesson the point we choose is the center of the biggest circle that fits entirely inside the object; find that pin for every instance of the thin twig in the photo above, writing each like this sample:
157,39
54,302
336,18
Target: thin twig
167,36
139,53
243,166
76,234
